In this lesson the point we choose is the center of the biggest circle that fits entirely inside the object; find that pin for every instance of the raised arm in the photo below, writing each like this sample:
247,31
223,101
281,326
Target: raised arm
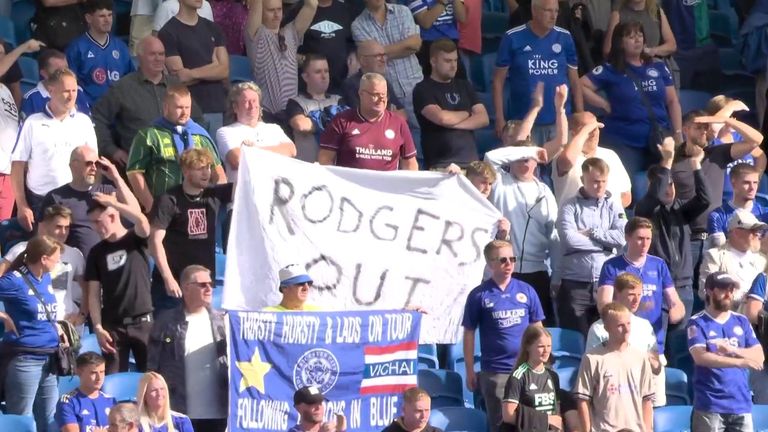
556,144
253,22
305,16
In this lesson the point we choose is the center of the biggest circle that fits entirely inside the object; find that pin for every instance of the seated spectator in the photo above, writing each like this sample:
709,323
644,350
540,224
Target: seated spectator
294,286
67,275
58,22
196,55
416,408
585,144
744,180
134,102
311,111
448,110
196,363
636,113
488,310
153,400
383,141
184,222
249,129
85,408
590,226
721,393
372,58
153,162
77,196
272,51
309,401
124,417
117,274
615,389
97,58
46,140
438,19
520,196
34,101
231,15
168,9
736,256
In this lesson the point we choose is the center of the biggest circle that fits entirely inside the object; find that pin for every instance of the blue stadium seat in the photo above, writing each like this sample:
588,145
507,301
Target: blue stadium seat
721,28
760,418
122,386
675,418
455,362
240,69
89,343
17,423
221,265
29,69
428,356
568,376
68,383
730,60
693,100
678,392
567,343
8,30
21,14
446,388
677,353
458,419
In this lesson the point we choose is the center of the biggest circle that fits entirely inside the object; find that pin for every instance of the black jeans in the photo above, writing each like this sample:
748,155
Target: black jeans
541,284
128,338
576,305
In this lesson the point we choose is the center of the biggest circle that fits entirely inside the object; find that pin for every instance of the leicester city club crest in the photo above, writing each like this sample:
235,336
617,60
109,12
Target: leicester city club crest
317,367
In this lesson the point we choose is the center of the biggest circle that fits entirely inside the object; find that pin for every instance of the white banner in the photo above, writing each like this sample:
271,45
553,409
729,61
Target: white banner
369,240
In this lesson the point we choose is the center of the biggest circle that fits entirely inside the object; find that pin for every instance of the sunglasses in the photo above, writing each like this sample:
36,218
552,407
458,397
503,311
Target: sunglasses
505,260
202,285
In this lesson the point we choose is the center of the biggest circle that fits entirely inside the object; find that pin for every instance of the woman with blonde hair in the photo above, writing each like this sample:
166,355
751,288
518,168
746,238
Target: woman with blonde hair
155,414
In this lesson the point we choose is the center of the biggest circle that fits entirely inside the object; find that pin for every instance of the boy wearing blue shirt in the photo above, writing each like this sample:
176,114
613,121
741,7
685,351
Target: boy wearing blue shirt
86,408
500,308
744,181
98,59
722,344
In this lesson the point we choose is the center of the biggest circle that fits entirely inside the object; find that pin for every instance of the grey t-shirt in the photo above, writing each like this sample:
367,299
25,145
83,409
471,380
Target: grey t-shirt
651,24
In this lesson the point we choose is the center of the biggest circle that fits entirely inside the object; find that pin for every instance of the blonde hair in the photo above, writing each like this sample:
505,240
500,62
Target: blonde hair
195,157
493,246
481,169
716,104
147,419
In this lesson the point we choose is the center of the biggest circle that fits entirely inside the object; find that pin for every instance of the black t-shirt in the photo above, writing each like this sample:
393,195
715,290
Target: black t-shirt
195,45
81,233
190,225
350,93
441,145
57,26
713,167
122,268
397,426
330,34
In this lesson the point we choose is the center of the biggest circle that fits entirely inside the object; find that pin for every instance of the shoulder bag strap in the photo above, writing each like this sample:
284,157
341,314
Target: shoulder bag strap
651,115
39,298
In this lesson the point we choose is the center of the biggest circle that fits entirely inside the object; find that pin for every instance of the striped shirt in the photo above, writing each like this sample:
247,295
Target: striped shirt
274,70
404,73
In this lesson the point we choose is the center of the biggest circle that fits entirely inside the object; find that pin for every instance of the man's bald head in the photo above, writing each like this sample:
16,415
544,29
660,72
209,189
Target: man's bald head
578,120
82,164
83,153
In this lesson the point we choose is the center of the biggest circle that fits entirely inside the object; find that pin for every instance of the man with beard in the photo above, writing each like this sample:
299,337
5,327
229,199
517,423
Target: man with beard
294,286
722,344
310,403
183,222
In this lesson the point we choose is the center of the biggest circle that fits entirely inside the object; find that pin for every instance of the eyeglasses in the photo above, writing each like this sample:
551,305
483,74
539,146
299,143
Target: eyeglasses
90,163
309,284
202,285
505,260
376,96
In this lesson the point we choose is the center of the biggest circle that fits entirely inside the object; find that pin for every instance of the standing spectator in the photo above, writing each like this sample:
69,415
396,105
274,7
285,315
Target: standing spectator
499,309
294,286
372,58
310,111
46,140
195,362
590,226
371,137
134,102
58,22
124,417
392,26
329,35
438,19
696,55
483,175
745,179
77,196
49,61
536,52
86,408
722,344
448,110
195,53
231,16
168,9
184,221
155,414
736,256
153,165
470,31
272,51
11,78
9,128
520,196
249,129
31,333
615,385
417,406
585,144
117,273
671,219
97,58
309,401
142,17
641,102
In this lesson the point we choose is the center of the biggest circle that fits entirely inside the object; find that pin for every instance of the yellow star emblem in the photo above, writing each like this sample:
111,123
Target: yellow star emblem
253,372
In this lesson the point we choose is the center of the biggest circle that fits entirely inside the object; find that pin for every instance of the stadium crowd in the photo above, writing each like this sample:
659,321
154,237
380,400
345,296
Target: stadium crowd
625,219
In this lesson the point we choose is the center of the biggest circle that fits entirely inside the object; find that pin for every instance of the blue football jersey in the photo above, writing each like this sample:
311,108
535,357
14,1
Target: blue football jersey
98,66
34,101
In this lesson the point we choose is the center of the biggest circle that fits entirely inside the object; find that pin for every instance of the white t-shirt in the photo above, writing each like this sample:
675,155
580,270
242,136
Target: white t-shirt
169,8
568,185
200,364
232,137
9,127
63,278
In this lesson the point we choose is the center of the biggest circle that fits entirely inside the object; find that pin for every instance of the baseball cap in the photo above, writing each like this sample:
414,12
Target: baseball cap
745,219
721,280
309,395
292,275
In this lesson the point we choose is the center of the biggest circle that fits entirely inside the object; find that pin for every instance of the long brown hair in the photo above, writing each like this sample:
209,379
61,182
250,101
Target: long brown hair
617,57
531,335
37,248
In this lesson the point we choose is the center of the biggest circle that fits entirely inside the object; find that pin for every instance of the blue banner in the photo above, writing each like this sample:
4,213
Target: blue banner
361,361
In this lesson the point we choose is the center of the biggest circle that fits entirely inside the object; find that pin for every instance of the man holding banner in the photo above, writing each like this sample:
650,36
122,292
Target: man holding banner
310,404
294,286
